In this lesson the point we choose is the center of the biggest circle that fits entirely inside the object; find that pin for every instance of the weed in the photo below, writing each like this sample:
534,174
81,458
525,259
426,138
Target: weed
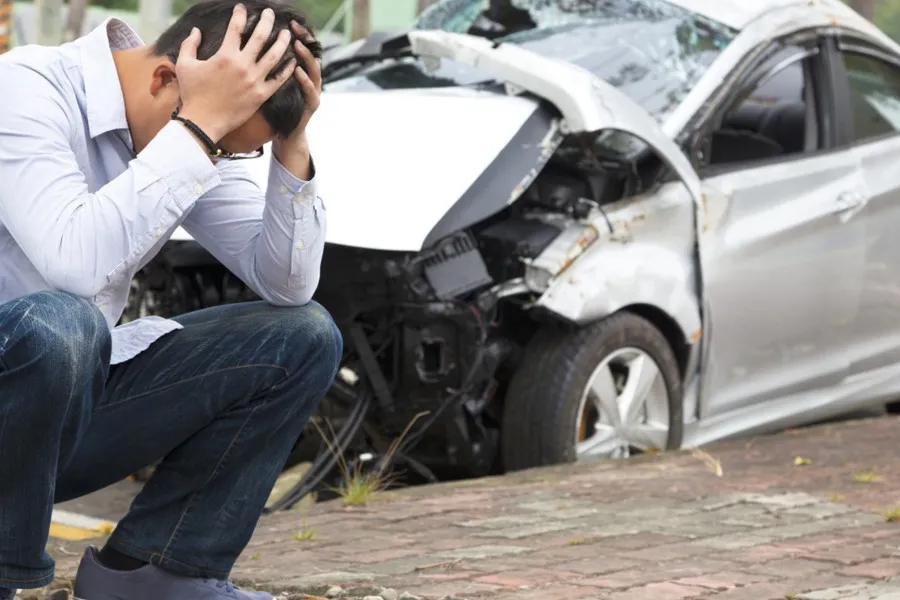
305,535
892,515
713,464
868,476
358,487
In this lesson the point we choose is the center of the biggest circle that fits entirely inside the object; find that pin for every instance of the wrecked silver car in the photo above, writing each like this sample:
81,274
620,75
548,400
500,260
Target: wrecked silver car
604,226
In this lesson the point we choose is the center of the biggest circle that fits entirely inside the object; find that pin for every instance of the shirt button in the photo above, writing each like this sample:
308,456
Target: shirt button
198,189
299,245
284,191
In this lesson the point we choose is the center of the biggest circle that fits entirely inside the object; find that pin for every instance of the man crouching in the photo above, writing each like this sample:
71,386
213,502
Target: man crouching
107,146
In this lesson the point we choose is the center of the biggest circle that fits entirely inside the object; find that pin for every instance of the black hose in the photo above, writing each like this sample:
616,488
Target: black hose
325,462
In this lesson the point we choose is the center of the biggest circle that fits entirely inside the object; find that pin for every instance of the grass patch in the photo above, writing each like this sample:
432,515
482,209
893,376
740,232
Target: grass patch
869,476
358,486
305,535
579,541
892,515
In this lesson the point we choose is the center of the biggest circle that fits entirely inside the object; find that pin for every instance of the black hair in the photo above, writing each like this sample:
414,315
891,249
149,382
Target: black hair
284,109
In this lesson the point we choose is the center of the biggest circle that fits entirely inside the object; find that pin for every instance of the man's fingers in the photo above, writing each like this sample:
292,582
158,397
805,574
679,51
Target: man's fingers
275,54
299,30
313,68
280,78
189,47
310,90
236,26
260,34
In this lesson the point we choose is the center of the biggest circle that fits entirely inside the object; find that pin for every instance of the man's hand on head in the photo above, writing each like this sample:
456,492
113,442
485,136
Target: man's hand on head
293,151
222,93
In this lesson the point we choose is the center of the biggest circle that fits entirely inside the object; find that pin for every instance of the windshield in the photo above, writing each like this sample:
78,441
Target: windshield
654,51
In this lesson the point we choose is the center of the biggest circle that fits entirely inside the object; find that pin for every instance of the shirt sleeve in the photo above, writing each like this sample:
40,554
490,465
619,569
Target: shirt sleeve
78,239
272,240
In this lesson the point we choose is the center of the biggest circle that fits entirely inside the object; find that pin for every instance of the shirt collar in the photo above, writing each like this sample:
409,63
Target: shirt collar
103,92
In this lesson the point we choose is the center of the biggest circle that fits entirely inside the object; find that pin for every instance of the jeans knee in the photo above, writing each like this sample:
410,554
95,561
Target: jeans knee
66,333
314,339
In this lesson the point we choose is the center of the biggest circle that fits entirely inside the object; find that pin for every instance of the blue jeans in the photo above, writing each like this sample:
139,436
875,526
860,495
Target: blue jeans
221,402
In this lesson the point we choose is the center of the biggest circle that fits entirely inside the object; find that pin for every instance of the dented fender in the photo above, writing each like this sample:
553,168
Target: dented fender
646,258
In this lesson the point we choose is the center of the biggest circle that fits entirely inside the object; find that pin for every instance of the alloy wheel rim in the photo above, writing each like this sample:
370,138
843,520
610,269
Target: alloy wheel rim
624,407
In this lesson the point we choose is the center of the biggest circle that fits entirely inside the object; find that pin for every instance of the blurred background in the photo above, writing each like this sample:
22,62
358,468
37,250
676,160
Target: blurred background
336,21
55,21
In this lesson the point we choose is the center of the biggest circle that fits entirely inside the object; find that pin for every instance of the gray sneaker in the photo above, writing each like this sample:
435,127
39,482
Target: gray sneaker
96,582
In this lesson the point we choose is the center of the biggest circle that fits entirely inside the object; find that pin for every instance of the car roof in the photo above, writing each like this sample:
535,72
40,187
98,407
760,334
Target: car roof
739,13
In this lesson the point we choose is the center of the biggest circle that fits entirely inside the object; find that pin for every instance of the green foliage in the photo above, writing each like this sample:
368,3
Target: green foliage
318,11
887,17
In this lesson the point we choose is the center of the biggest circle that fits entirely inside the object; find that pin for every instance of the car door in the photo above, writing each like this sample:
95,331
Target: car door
783,250
871,93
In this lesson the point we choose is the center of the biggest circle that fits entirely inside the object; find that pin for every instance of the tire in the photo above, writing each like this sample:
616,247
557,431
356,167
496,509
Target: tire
544,401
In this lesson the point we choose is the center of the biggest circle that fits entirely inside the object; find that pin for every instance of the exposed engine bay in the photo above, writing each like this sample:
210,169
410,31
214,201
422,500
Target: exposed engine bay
431,337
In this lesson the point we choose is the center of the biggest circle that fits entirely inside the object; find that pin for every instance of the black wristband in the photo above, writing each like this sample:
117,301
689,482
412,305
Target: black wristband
211,146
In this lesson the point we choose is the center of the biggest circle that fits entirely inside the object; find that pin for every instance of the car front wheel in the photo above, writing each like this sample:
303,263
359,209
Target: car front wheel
606,391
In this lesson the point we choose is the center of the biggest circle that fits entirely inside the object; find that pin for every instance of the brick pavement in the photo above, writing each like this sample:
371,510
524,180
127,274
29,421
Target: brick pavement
804,514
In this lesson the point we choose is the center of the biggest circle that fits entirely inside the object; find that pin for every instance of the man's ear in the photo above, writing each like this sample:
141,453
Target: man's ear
163,78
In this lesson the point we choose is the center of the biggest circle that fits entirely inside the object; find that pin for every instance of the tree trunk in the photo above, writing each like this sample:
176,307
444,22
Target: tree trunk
75,20
865,7
48,22
360,20
6,25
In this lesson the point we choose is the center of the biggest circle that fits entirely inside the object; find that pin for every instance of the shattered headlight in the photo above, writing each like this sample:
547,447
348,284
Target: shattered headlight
559,256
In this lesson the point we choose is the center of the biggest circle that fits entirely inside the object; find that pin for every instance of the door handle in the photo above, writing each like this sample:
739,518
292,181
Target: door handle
849,200
849,203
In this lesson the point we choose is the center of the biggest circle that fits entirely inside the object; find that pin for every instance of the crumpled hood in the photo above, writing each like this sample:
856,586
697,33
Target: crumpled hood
391,164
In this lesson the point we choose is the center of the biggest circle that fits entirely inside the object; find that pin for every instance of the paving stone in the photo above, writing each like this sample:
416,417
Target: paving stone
822,510
787,567
617,529
456,589
768,535
552,592
517,533
660,591
863,591
477,552
773,501
502,522
758,591
851,554
331,578
877,569
723,580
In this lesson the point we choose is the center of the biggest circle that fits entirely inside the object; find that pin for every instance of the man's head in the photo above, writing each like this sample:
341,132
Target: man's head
281,113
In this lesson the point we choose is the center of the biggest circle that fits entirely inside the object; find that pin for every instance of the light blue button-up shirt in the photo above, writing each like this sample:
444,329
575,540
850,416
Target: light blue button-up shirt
81,213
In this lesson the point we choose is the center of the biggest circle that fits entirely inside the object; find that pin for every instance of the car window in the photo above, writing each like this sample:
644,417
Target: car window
776,118
874,96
